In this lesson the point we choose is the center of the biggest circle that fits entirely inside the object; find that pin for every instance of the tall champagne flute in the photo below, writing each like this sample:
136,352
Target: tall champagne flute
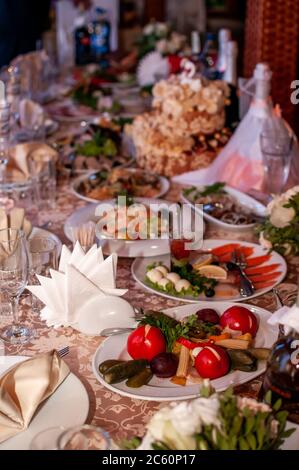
13,278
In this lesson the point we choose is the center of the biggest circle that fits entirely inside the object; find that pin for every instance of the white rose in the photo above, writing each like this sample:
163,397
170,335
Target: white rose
264,242
161,29
281,216
148,29
291,192
161,428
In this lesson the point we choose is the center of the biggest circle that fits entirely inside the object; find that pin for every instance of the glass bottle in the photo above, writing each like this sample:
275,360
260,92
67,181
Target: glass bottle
4,131
13,95
100,36
82,39
282,374
224,36
208,57
230,73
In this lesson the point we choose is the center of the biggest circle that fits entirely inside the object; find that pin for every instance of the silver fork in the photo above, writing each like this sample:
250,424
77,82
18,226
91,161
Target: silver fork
63,351
246,286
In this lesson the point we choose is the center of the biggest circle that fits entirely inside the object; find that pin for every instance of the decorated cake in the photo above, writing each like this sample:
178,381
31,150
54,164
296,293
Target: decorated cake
185,129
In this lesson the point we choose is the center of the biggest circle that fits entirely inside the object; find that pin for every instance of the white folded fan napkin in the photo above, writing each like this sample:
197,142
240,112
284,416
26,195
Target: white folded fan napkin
83,279
286,316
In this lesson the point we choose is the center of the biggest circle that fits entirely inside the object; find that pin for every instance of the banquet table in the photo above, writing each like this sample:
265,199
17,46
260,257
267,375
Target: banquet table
122,417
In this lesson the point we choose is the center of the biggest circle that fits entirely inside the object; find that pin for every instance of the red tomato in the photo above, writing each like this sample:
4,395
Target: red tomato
212,362
240,319
146,342
178,249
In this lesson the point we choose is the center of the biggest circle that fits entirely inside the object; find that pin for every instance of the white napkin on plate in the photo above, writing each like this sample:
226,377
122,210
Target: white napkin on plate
81,277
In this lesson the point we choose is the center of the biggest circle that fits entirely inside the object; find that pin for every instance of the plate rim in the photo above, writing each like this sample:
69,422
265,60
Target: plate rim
110,387
189,300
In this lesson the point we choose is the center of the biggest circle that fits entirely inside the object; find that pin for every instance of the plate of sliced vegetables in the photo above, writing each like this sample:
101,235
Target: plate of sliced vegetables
209,273
169,353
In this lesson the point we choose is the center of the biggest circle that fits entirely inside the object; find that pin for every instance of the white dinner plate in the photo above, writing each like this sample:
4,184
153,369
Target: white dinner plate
164,186
250,204
67,407
140,264
164,390
124,248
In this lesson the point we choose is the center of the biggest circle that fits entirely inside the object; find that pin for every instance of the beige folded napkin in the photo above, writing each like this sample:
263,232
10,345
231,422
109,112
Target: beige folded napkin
24,387
15,219
18,165
32,115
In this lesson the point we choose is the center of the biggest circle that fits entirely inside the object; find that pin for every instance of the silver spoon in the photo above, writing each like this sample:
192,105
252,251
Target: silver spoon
115,331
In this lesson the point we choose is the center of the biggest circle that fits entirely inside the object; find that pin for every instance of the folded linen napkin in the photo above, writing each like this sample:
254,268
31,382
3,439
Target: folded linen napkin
18,165
24,387
32,115
81,277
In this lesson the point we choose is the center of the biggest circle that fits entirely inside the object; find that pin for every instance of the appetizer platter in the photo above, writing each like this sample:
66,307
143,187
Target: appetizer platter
216,271
123,245
96,97
99,147
169,353
101,185
225,206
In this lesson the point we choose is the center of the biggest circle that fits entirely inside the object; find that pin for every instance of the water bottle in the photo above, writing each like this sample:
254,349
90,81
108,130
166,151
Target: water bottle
100,36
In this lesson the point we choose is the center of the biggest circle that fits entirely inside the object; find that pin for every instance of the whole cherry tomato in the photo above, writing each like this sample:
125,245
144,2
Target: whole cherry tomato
146,342
212,362
239,319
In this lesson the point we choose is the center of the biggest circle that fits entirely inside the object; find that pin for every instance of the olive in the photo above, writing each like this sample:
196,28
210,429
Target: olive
209,292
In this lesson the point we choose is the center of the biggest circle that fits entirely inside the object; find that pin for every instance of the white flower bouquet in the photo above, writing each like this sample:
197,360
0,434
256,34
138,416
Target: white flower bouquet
215,421
280,231
159,36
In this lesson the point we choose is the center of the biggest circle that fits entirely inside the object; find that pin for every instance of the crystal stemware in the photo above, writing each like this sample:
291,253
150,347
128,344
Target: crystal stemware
13,279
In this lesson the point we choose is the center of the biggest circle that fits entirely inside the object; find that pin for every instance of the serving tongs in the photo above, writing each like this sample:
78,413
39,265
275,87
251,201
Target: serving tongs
238,263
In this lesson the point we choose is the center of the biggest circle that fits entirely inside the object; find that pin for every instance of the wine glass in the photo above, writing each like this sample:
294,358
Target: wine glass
13,279
276,150
85,437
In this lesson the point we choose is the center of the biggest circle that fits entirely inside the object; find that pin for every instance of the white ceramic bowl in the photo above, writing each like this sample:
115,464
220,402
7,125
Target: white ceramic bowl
105,312
243,199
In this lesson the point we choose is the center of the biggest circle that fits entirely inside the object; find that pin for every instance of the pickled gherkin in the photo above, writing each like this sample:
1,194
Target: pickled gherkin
125,370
